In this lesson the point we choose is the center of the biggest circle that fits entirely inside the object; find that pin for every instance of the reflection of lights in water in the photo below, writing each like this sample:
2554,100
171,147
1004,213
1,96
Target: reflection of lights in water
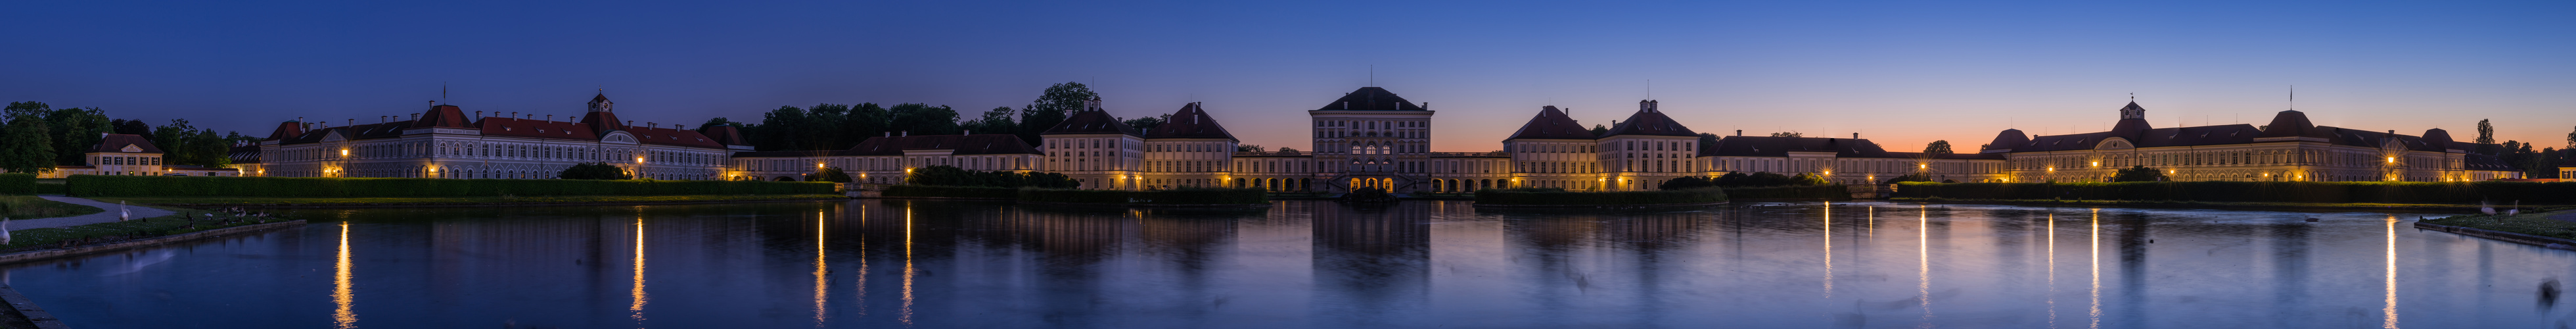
863,262
906,312
1829,249
636,308
2391,310
2096,312
822,287
1923,256
2052,270
340,293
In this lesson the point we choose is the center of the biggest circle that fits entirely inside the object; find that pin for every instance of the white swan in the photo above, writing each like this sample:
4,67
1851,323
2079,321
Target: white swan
123,214
4,230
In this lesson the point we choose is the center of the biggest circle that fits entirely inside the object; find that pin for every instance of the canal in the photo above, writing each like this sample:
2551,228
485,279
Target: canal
1313,264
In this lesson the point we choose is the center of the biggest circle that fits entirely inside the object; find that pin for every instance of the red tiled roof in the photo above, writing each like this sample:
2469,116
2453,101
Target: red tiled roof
115,143
1190,122
1370,99
1551,124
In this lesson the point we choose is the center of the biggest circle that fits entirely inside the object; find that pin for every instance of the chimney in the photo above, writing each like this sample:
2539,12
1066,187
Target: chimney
889,134
907,133
415,117
630,122
1739,133
478,114
381,119
1346,105
969,132
353,122
550,117
1426,106
1855,135
514,114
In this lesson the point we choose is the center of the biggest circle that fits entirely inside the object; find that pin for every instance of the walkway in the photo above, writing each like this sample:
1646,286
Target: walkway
2569,216
140,212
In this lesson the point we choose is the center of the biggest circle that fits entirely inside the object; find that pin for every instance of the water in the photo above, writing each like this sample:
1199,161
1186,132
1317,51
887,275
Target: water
1303,264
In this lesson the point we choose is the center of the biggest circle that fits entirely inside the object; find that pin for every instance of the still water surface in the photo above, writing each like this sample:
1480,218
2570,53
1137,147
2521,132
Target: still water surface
1307,264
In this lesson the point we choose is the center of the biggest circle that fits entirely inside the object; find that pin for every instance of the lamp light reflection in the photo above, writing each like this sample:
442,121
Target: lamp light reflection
2390,312
635,307
1923,257
822,285
2096,309
1829,249
340,288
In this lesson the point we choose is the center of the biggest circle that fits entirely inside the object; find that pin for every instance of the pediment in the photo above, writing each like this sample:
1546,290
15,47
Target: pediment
131,148
2114,143
617,136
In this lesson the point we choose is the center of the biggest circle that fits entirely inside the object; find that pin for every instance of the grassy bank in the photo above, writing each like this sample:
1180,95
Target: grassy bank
2298,192
139,186
1790,192
31,207
2533,223
442,201
1558,197
63,237
1183,196
2321,205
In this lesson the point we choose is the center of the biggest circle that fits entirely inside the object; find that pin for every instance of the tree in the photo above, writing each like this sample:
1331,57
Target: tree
1058,102
2571,140
74,131
995,121
825,123
594,170
1598,130
780,130
866,120
30,148
828,174
1707,140
1284,149
1937,147
1788,134
1255,148
1148,123
2139,174
923,119
1913,177
2486,132
717,122
1686,182
130,127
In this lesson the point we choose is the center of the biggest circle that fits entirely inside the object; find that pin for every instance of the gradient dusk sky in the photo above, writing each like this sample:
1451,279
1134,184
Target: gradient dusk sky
1901,73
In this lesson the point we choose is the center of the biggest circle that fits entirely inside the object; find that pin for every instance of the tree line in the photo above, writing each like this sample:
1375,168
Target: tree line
839,126
41,137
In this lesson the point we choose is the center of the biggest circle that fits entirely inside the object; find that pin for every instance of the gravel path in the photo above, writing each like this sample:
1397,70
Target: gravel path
140,212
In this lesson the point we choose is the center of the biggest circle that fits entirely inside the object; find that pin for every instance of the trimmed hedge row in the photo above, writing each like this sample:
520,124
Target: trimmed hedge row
927,191
1521,197
1790,192
1184,196
97,186
17,184
2311,192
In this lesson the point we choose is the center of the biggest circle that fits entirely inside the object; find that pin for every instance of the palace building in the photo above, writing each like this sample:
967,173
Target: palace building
2288,149
445,143
1367,138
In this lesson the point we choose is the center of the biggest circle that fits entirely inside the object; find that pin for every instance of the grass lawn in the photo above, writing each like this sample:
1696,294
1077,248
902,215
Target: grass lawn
2425,206
225,200
31,207
2533,223
48,238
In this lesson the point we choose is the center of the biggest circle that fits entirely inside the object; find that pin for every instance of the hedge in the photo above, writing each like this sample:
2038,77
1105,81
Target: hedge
927,191
1790,192
110,186
2308,192
1182,196
17,184
1527,197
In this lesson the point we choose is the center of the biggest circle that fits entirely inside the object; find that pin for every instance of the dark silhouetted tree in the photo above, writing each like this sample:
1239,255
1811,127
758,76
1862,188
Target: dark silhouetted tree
594,170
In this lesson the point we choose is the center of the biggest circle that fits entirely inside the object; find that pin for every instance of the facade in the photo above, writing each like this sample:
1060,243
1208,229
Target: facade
445,143
2288,149
1367,138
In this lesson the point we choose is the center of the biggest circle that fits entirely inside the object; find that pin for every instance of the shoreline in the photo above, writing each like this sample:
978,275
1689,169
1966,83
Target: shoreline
2222,205
44,254
426,202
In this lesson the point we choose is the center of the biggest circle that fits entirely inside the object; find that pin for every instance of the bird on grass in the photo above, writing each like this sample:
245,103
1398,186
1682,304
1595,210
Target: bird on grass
4,230
123,214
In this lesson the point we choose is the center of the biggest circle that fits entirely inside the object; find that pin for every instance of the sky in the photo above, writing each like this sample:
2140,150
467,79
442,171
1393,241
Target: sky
1900,73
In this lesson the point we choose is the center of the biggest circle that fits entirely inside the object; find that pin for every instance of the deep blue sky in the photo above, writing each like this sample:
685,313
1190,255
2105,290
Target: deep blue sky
1903,73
